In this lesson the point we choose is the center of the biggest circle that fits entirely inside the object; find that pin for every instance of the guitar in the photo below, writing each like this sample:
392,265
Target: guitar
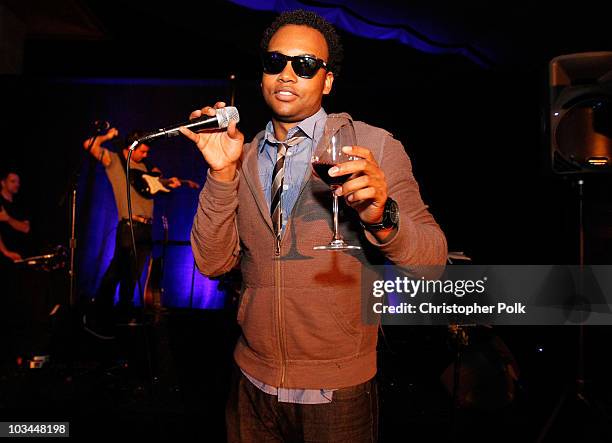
150,183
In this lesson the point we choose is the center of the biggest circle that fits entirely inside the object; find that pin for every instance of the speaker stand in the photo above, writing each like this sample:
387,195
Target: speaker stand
574,394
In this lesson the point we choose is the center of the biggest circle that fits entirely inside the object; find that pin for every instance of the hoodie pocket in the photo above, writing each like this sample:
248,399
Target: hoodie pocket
317,329
256,318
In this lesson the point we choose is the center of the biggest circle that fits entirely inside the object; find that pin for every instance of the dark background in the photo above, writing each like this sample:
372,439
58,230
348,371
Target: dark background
476,134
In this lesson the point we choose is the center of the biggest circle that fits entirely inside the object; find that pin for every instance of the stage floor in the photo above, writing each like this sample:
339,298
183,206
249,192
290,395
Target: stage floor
169,379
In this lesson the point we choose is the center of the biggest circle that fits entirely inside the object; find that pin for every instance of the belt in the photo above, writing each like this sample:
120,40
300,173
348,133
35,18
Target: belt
139,219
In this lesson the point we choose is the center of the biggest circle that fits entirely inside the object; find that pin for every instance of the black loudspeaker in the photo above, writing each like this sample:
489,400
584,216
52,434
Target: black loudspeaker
580,128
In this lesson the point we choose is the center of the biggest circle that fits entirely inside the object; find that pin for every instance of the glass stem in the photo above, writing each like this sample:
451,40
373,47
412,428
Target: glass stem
335,210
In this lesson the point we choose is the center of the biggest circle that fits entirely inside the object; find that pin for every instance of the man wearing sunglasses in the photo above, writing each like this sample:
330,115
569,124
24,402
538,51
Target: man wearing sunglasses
306,362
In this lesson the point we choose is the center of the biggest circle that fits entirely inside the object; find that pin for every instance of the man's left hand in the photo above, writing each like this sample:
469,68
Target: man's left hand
174,182
366,188
4,217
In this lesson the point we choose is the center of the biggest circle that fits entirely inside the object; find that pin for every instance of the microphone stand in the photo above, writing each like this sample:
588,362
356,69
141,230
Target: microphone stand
72,246
233,89
74,182
152,379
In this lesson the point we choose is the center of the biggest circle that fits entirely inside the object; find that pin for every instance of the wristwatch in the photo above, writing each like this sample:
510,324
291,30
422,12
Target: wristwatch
390,217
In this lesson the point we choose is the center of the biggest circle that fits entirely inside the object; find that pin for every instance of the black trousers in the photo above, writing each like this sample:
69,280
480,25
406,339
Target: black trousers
123,269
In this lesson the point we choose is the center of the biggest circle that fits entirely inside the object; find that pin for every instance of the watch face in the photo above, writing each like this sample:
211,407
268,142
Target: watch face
392,212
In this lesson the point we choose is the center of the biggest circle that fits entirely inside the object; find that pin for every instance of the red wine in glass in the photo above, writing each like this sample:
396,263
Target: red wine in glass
321,169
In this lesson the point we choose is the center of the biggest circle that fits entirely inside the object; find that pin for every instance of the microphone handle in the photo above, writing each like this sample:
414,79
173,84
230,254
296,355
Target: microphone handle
204,122
220,120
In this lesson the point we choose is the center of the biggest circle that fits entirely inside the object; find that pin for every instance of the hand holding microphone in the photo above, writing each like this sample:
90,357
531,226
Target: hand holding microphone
221,149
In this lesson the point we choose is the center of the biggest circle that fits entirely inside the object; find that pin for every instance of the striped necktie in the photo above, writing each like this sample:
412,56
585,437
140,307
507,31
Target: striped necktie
278,175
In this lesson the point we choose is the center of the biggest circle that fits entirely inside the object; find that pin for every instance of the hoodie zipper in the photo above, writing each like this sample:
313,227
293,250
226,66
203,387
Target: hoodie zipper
278,289
279,310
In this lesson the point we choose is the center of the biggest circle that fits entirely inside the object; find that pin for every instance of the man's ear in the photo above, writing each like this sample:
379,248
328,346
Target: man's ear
329,81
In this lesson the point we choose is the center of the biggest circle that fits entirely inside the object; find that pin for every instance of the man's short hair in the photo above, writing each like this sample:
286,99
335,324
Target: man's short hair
133,136
315,21
6,172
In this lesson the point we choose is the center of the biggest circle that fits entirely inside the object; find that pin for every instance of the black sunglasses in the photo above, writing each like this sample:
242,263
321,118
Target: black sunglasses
305,66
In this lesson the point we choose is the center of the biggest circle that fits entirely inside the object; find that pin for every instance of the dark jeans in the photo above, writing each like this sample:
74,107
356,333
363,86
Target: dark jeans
122,269
251,415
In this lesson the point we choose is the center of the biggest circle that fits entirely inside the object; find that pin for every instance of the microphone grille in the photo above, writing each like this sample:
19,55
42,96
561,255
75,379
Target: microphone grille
225,115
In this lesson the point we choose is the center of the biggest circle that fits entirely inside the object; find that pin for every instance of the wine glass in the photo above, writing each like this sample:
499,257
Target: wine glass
338,132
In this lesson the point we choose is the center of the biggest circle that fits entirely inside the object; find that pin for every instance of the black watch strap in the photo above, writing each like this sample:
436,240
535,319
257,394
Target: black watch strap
390,217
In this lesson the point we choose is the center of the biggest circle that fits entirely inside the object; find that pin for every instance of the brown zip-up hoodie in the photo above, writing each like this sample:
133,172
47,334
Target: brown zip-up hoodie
300,309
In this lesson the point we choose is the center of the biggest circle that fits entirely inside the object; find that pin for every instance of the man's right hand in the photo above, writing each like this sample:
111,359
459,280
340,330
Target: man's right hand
221,149
110,134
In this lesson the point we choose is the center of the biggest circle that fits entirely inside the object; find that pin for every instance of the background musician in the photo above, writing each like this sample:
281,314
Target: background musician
123,269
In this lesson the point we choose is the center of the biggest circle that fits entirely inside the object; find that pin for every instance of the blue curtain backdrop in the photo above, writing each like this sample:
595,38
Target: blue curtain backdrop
422,27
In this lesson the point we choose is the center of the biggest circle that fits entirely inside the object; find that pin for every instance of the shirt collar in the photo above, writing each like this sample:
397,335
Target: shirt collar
307,126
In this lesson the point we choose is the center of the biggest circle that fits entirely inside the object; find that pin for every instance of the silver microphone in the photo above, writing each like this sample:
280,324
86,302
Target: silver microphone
220,120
